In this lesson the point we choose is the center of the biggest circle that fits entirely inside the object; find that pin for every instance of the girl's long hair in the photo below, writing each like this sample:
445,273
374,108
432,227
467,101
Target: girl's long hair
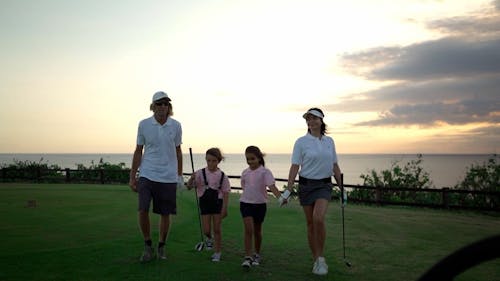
256,151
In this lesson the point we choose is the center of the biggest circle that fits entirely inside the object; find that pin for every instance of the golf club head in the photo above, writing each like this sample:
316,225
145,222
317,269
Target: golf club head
199,247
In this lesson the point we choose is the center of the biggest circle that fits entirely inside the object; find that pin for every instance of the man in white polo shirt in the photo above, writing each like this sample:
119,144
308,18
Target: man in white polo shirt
158,157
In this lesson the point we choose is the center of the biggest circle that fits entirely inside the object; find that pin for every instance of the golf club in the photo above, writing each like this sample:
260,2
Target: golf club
199,247
342,199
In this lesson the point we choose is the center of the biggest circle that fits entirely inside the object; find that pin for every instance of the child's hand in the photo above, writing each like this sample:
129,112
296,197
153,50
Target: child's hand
282,202
190,182
223,213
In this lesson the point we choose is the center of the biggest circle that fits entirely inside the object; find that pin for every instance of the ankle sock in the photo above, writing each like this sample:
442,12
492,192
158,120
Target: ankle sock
148,242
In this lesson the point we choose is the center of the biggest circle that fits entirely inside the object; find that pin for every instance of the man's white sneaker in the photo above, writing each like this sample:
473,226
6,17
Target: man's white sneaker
161,253
147,255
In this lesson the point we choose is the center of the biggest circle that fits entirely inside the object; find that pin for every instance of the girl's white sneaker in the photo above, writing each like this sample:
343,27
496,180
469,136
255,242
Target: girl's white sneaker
216,257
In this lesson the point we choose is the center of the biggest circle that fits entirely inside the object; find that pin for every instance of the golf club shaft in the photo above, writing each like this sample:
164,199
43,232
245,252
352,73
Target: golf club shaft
342,190
343,231
195,194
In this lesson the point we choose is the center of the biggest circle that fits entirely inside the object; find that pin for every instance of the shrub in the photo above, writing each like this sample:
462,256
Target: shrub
43,172
31,170
411,175
117,173
481,177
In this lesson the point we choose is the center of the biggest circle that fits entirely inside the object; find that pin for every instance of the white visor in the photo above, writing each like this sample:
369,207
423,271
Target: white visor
313,112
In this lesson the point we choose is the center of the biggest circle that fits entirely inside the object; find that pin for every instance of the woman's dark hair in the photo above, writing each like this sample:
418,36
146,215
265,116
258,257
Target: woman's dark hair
215,152
323,125
256,151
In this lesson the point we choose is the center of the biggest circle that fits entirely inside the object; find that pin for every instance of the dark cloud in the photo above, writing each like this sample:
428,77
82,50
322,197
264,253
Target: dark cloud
444,58
452,80
427,114
428,92
480,24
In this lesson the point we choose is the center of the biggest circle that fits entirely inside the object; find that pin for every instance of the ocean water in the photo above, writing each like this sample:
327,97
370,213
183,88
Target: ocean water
445,170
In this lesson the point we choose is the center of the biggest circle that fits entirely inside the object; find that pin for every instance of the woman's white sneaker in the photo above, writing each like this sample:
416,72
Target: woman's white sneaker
320,267
315,266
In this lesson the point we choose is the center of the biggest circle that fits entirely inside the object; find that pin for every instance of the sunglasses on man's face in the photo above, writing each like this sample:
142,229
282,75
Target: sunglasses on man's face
165,103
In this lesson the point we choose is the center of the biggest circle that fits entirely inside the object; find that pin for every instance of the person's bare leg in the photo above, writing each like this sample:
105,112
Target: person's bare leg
164,227
308,212
248,233
144,225
217,221
206,221
318,218
257,235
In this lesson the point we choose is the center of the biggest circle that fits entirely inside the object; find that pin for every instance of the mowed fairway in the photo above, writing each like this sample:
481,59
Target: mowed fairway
90,232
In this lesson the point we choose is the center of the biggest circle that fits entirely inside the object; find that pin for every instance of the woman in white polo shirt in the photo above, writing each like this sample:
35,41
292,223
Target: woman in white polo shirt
314,154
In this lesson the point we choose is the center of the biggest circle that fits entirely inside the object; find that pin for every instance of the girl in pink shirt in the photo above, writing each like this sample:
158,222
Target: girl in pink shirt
254,181
212,187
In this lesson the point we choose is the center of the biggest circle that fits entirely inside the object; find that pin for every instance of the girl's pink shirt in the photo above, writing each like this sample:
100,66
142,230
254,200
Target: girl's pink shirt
254,184
213,179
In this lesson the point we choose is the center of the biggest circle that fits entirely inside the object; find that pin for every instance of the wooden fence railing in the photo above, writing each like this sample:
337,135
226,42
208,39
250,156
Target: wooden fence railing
419,197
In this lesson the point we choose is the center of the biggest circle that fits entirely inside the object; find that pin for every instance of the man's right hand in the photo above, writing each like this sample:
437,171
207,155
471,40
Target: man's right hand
133,184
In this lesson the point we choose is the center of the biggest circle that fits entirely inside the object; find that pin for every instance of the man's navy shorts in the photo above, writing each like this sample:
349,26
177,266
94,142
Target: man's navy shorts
162,194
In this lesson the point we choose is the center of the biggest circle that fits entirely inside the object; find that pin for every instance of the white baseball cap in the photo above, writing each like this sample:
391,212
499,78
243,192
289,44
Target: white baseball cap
160,95
314,112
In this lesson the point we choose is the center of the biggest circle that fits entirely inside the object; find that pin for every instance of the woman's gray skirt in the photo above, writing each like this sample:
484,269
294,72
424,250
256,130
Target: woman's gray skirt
311,191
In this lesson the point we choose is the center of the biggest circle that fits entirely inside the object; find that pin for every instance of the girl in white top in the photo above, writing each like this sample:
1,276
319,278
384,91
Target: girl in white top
254,181
316,157
212,187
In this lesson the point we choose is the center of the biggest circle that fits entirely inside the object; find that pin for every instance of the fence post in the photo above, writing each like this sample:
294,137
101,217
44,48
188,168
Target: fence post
38,174
68,176
101,175
378,195
444,196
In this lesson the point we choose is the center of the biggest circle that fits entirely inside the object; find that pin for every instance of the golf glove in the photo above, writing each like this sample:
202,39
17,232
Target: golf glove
344,198
284,197
180,182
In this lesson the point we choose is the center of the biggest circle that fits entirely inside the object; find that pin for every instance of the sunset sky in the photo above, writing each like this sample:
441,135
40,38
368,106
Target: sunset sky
409,76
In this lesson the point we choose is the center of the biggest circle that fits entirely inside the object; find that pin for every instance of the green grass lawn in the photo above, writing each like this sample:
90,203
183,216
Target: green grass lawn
90,232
